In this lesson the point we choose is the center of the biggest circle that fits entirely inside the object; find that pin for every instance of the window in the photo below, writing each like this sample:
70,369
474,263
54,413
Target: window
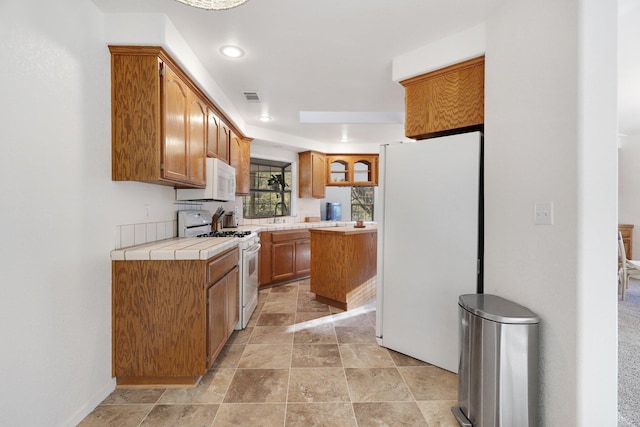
362,203
270,189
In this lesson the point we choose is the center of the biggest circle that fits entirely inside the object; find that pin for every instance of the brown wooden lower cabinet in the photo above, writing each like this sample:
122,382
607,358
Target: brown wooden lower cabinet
285,255
172,318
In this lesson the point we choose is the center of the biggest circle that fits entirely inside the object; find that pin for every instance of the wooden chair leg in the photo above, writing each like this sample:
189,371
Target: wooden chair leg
620,282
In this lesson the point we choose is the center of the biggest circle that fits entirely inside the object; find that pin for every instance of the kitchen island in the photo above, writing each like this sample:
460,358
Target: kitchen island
343,265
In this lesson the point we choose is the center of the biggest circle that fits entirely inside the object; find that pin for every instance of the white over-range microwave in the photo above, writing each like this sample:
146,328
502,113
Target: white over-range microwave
221,184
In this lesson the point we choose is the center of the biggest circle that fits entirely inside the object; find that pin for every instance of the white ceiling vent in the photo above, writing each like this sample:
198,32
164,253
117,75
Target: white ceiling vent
251,96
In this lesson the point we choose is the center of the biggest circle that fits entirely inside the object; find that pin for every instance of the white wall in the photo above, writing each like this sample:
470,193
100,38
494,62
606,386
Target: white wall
59,213
551,136
628,185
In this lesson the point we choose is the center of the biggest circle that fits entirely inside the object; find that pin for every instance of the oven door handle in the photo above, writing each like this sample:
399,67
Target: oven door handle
253,249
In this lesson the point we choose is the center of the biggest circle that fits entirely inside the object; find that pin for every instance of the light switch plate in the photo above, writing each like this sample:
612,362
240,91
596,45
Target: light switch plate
543,213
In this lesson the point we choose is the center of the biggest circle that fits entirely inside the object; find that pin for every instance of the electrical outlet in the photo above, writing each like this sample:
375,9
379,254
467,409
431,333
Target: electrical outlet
543,213
147,211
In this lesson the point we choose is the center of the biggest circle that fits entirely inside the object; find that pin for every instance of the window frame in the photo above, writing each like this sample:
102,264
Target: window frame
361,206
284,194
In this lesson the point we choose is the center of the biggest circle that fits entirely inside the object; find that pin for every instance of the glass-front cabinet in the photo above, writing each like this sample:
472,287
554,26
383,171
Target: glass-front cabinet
338,171
352,169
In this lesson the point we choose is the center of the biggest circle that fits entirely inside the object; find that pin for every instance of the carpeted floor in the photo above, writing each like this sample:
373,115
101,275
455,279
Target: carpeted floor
629,357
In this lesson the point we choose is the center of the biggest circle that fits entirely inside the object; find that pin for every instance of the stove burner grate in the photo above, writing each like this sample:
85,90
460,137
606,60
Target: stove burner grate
228,233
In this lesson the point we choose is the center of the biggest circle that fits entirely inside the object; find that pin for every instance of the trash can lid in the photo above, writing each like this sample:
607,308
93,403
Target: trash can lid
497,309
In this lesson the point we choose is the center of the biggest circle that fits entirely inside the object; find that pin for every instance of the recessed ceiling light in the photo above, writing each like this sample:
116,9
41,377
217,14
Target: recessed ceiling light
344,139
264,118
231,51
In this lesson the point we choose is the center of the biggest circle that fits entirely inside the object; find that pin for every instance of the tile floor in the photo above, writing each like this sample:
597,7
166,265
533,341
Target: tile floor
298,363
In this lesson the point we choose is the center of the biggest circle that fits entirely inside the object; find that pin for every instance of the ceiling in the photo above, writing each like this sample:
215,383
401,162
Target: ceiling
331,57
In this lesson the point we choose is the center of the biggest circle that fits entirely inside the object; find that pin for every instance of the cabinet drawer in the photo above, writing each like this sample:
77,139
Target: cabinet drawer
219,266
283,236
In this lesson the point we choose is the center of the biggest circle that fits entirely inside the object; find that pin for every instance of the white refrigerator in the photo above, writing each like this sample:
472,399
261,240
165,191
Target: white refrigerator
429,244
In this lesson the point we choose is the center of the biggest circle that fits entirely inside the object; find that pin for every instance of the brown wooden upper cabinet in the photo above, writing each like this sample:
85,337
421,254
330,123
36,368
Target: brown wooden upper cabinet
164,126
445,100
352,169
240,158
224,139
159,120
217,137
312,168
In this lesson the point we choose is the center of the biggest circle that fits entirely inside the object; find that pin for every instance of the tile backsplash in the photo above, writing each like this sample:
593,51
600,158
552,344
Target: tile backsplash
138,234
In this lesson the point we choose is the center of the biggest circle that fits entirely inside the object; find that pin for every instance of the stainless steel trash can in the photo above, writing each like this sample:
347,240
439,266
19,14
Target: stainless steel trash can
498,372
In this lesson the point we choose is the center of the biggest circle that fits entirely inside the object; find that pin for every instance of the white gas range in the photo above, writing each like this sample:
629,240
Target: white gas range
197,223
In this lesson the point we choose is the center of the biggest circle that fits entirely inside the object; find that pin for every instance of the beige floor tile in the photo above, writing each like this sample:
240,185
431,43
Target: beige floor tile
356,334
306,296
336,310
240,337
211,389
430,382
371,315
265,356
307,302
361,320
306,318
276,319
438,412
133,395
272,335
180,415
320,414
258,386
404,360
317,385
392,414
322,334
253,320
263,294
376,385
283,298
365,356
288,288
315,355
279,306
229,356
304,285
249,414
116,415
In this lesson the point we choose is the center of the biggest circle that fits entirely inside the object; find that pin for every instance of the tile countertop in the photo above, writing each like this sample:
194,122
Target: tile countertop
203,248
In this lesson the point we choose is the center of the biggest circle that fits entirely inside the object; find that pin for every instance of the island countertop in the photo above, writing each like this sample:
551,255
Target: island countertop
349,229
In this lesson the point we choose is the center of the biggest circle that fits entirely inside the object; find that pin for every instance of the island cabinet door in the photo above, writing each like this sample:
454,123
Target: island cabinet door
283,260
216,319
